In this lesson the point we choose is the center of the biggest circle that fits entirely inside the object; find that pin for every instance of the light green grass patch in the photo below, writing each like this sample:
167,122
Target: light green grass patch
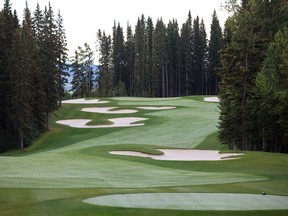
193,201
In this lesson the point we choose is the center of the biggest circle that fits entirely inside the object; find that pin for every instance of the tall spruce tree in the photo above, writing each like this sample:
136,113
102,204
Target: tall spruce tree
149,49
173,38
242,60
61,57
83,72
186,67
48,62
160,68
23,65
105,73
8,26
214,48
139,73
130,60
272,93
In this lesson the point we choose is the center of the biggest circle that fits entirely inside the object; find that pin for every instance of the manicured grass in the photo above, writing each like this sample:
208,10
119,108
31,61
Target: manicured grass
67,165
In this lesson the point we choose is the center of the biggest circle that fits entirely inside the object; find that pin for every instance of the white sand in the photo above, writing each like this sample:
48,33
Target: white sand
157,108
182,155
212,99
83,101
108,110
117,122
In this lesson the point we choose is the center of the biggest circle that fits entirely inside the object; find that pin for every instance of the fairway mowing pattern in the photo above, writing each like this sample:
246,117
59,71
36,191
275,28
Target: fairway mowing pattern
193,201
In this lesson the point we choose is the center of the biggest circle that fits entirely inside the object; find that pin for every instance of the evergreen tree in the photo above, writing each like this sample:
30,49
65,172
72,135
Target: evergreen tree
173,39
242,60
130,60
105,74
62,57
83,72
215,46
186,67
8,25
48,62
139,73
77,80
272,91
148,49
118,55
160,68
23,65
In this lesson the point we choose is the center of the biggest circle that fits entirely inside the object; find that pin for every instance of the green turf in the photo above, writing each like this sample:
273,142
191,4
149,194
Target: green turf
67,165
193,201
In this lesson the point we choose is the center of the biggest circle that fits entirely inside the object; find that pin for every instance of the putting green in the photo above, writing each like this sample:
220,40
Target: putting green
193,201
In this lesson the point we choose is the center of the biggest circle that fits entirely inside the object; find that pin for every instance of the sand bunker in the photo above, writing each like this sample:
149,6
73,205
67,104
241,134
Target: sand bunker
83,101
212,99
108,110
182,155
157,108
117,122
193,201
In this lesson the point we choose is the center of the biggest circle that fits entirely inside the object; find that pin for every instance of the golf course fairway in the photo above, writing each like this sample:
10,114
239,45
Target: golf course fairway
70,171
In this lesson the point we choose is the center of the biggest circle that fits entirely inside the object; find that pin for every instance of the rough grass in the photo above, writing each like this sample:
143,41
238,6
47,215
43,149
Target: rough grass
68,165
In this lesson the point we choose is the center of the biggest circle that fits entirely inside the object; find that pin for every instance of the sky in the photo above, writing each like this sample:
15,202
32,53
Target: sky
83,18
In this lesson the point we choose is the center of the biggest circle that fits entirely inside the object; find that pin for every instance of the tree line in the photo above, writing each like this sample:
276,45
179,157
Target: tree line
253,84
161,60
33,58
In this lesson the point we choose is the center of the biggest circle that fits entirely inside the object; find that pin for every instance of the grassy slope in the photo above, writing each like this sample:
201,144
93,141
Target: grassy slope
75,163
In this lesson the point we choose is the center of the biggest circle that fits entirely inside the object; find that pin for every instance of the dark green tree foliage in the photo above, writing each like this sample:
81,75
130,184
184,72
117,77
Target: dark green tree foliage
28,75
48,63
162,60
149,49
22,67
130,60
139,73
105,71
272,91
62,57
118,55
83,72
199,55
186,58
7,29
242,59
173,39
214,48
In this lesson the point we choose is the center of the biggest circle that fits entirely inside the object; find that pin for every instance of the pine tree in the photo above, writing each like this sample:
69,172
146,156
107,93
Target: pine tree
215,46
8,26
62,57
148,49
160,68
173,38
105,74
242,60
186,65
139,73
83,72
38,79
48,63
130,60
272,91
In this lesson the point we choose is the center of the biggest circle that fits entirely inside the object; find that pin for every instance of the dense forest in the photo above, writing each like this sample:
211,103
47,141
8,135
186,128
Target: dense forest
33,59
246,65
253,86
161,60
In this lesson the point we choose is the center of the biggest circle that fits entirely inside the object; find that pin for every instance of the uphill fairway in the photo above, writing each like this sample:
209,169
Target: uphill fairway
68,166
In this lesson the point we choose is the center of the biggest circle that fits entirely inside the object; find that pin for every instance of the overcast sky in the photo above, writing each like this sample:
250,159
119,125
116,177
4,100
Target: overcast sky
83,18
